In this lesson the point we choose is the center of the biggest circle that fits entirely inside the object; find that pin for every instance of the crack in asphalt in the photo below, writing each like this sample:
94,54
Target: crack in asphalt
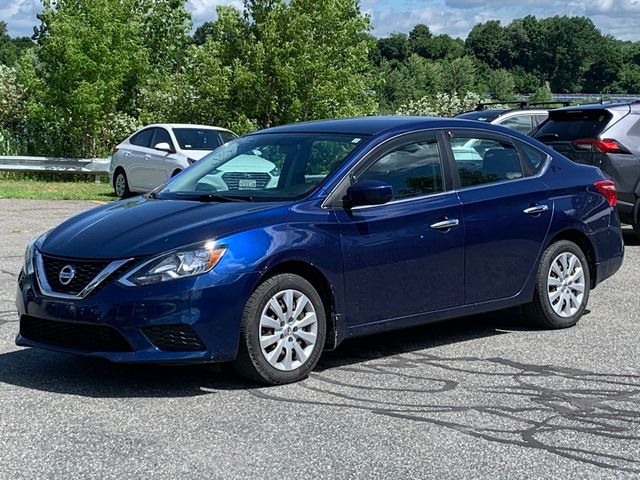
543,407
11,274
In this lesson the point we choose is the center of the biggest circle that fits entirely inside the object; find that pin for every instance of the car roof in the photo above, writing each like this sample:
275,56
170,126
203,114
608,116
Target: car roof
186,125
377,125
595,106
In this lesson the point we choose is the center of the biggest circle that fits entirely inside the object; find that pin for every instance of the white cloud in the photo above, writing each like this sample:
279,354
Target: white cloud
619,18
205,10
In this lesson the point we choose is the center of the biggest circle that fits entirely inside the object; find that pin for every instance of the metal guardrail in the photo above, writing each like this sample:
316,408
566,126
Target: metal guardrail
96,166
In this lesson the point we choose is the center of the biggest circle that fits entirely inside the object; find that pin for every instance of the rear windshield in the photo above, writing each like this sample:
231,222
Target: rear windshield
570,125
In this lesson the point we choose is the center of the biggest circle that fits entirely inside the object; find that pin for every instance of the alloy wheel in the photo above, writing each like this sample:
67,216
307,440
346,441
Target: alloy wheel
566,284
288,330
121,185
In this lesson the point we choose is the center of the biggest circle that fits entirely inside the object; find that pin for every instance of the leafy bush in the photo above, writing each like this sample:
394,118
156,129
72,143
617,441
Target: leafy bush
441,105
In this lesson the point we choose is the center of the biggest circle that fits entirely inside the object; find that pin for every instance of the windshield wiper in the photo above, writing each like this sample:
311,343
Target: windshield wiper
212,197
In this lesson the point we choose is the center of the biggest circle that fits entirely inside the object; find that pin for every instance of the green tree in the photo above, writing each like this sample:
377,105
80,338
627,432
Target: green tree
415,78
500,85
276,62
88,65
490,43
394,47
420,40
11,48
459,75
165,30
542,94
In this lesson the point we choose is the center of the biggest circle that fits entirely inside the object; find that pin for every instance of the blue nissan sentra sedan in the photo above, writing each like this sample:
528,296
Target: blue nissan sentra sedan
357,226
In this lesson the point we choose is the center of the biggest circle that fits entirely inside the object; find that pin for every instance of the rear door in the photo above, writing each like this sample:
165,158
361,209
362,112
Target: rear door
506,209
133,156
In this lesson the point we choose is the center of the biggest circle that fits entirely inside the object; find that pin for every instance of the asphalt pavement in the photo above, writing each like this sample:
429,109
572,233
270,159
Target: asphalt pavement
480,397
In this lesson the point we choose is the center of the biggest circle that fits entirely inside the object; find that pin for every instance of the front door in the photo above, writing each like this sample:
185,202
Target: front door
405,257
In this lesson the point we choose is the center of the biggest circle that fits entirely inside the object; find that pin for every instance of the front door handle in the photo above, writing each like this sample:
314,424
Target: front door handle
446,224
536,209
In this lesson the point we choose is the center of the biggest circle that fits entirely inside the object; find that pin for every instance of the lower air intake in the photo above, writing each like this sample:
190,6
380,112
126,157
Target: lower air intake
174,338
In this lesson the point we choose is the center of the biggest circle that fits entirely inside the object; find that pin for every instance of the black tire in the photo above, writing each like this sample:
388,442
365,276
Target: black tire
175,172
636,219
126,192
541,311
251,362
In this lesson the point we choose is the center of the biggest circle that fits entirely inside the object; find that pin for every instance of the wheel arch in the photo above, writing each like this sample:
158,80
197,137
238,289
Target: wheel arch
582,240
321,283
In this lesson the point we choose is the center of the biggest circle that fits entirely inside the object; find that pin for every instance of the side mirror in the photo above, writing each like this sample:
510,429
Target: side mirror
368,192
164,147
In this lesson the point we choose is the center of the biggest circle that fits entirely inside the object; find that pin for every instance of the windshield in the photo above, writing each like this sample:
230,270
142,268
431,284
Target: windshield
198,138
263,167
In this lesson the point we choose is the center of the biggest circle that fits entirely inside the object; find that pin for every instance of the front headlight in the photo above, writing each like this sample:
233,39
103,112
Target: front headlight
28,267
29,253
181,263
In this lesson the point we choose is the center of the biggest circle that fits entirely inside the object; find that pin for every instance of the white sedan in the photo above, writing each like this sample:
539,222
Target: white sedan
157,152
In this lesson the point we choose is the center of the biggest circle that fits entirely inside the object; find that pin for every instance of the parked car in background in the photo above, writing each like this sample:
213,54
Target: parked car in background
607,136
374,224
523,119
157,152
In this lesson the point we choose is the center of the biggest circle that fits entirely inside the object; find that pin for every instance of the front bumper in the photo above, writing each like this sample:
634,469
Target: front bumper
209,308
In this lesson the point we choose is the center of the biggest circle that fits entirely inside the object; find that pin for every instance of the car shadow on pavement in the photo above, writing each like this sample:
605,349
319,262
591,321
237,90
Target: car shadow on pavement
630,238
93,377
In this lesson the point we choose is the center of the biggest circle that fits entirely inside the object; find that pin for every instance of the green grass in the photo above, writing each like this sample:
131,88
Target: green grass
55,190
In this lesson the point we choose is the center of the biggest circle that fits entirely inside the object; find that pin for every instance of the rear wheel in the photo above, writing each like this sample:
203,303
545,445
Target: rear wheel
562,286
282,332
121,185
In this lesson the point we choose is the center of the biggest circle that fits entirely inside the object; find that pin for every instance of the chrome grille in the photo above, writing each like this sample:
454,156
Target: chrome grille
232,179
85,271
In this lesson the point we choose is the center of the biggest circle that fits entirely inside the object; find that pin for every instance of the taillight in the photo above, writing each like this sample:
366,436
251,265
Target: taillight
606,145
608,189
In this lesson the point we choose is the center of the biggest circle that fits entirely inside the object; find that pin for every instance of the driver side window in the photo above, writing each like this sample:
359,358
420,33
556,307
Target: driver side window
413,170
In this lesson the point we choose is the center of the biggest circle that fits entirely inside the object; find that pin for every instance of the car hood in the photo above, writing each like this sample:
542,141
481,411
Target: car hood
144,226
196,154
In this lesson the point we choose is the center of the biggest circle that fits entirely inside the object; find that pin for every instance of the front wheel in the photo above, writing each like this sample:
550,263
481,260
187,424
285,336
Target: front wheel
562,286
282,332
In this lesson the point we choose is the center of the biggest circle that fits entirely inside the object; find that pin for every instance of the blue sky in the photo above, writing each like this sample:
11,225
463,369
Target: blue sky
620,18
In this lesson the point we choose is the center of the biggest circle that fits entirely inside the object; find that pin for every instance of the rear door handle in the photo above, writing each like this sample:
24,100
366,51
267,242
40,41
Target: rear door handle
147,156
446,224
536,209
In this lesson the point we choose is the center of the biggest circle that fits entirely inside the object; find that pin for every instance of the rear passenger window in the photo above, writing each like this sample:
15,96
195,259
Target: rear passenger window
412,171
533,157
482,160
519,123
143,138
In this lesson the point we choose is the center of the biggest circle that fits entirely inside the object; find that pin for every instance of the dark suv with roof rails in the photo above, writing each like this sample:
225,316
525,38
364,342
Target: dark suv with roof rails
606,135
524,118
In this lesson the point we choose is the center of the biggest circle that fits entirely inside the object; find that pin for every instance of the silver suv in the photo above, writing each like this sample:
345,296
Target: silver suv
606,135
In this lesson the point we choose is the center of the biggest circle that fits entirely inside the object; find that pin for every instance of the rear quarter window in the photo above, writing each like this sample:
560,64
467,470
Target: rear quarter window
574,124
